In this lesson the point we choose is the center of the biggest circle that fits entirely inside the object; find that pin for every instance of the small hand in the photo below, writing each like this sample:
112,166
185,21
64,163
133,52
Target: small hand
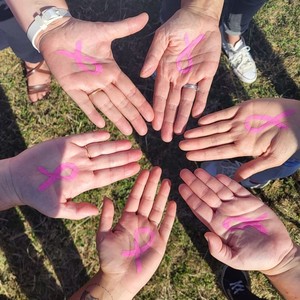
80,57
138,231
225,134
49,175
245,233
173,104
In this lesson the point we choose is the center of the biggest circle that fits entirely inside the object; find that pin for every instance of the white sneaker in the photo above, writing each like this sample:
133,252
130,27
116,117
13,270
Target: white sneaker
240,59
228,168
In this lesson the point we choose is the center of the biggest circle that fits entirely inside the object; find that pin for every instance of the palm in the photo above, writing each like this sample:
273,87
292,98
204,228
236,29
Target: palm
239,222
49,175
134,248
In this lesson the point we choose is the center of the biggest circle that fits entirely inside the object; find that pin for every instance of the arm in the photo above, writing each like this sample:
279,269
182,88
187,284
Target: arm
210,8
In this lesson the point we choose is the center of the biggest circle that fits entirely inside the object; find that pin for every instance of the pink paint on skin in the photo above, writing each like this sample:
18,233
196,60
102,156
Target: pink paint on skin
187,53
243,222
137,251
56,175
270,121
80,59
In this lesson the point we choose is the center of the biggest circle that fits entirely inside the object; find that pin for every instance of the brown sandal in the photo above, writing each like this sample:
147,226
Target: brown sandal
38,88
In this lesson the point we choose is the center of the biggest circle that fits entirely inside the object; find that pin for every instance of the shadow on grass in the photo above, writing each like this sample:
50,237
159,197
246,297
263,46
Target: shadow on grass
25,261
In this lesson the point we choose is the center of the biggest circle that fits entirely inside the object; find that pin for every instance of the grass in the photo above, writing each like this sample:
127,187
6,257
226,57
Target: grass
42,258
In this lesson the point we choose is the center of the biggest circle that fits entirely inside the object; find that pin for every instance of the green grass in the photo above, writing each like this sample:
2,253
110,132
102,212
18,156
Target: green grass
41,258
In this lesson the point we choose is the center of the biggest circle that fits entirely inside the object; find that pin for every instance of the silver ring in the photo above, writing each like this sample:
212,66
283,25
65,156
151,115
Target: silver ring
191,86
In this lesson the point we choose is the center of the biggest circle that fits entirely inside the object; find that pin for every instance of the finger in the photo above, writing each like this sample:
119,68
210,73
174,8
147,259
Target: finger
109,147
136,193
200,189
218,249
207,142
126,108
160,96
117,159
103,103
125,27
89,137
184,110
216,153
234,186
221,190
208,130
225,114
75,211
201,96
148,196
107,216
170,114
158,47
107,176
257,165
160,202
85,104
199,208
168,221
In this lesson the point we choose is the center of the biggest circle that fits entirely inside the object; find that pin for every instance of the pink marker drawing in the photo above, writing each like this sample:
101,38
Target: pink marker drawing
270,121
187,53
80,59
137,251
242,222
56,175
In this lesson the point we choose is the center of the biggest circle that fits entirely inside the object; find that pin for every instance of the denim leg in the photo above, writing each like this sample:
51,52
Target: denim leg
237,14
168,9
287,169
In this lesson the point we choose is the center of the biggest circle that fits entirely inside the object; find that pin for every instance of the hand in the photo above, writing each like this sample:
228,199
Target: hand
138,228
173,103
79,56
245,233
49,175
228,134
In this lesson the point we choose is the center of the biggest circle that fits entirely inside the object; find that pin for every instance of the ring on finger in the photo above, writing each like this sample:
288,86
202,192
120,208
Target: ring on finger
87,151
94,92
191,86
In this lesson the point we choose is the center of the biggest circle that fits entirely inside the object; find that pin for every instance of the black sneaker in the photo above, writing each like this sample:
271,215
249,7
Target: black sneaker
236,284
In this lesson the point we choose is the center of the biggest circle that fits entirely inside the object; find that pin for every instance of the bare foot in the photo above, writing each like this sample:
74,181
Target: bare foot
38,80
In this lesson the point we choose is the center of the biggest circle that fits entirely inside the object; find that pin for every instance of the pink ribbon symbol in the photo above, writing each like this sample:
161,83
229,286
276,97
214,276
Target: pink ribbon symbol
80,59
56,175
270,121
137,251
187,52
246,222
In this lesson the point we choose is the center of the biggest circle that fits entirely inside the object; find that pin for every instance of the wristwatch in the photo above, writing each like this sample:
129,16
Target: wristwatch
42,21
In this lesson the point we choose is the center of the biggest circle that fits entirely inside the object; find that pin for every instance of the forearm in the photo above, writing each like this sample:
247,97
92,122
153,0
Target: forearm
102,288
212,8
25,10
8,197
287,282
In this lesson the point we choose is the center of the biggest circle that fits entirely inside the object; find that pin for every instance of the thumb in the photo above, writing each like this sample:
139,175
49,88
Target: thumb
158,46
76,211
107,215
256,165
218,249
126,27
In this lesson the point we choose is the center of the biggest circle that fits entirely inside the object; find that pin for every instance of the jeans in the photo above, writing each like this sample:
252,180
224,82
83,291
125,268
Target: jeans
12,35
236,15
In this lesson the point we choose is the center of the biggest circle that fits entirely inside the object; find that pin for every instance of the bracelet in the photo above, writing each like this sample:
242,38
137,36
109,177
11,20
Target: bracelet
41,22
87,293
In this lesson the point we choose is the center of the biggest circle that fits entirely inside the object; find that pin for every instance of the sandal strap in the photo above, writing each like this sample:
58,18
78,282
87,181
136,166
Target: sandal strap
36,69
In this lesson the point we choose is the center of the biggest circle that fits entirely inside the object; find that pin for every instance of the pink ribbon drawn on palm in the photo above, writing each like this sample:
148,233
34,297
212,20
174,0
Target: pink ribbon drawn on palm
138,251
80,59
187,53
56,175
270,121
244,222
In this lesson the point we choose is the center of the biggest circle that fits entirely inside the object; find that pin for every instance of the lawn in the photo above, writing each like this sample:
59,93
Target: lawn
43,258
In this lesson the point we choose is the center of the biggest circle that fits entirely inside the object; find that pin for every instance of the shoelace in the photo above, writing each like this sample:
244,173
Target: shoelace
237,287
241,58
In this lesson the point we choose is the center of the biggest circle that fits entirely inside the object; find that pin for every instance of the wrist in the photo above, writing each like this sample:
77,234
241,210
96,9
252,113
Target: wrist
8,195
288,263
211,8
